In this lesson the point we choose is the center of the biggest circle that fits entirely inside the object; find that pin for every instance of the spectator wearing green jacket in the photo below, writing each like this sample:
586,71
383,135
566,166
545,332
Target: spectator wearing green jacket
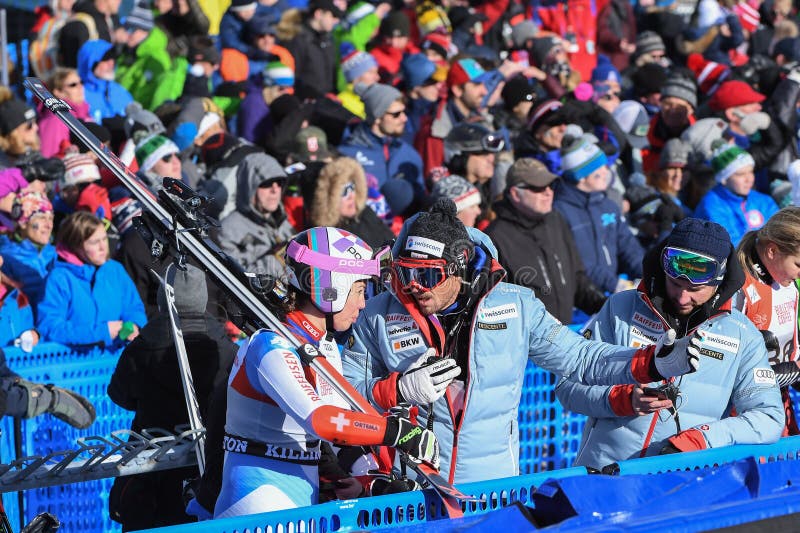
146,68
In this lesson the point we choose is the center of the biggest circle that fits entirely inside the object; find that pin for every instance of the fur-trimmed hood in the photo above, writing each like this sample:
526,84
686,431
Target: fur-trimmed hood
324,209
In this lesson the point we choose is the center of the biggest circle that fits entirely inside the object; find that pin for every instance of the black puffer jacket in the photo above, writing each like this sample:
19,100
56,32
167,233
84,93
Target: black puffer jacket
315,57
541,254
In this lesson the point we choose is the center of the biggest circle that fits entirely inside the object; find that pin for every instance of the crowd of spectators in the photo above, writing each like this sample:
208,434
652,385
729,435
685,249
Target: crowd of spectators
576,133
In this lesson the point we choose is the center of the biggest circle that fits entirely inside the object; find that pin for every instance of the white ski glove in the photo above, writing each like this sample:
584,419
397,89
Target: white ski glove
425,382
676,358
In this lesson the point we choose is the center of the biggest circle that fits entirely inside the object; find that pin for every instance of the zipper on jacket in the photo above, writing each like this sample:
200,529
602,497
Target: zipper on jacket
608,255
560,270
544,273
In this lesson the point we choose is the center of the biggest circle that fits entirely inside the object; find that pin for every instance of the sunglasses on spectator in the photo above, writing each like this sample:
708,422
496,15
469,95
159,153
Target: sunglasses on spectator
30,124
73,84
698,269
348,189
167,158
269,182
537,188
396,114
610,96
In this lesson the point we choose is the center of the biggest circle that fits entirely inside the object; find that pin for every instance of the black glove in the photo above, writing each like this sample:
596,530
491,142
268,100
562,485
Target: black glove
50,169
771,342
415,440
667,214
383,484
668,448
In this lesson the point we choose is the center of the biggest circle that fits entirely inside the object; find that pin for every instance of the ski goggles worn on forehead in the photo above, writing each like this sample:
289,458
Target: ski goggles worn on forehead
699,269
381,260
426,274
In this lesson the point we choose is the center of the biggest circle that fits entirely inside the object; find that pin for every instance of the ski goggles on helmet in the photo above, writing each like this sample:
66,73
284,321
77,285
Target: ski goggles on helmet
380,262
699,269
425,274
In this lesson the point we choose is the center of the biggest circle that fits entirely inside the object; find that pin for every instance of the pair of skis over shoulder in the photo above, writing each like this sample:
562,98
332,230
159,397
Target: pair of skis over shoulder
173,222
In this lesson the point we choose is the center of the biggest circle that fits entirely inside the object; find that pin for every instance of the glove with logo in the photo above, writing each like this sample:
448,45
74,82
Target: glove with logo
416,441
426,380
676,357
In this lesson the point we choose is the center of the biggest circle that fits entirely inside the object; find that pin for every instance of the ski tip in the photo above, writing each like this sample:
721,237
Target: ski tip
43,94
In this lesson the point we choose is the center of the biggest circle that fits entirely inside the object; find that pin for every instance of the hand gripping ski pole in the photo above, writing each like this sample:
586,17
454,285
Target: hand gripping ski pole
173,216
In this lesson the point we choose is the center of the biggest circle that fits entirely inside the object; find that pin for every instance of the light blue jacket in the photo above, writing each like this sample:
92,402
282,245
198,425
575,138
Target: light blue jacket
27,264
80,300
510,326
736,214
734,372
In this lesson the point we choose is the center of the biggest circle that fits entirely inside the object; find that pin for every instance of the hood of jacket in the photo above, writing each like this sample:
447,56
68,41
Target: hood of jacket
653,286
251,172
328,192
88,56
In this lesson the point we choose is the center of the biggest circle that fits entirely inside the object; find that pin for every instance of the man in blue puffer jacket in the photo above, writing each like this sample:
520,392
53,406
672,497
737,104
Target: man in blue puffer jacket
604,239
450,327
106,98
688,283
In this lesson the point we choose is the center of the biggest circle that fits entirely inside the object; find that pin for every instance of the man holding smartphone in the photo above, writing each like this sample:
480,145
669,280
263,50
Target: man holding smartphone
688,281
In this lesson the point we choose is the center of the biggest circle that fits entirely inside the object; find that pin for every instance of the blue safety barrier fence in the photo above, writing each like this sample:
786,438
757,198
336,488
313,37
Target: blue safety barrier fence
415,508
80,506
549,437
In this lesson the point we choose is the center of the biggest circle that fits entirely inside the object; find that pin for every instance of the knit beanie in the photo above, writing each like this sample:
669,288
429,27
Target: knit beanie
648,79
356,63
522,32
580,158
191,292
680,87
432,18
80,168
276,73
708,73
153,148
700,137
416,69
139,18
728,159
517,89
377,98
649,41
457,189
140,121
703,237
541,49
28,204
395,24
675,154
605,71
439,234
